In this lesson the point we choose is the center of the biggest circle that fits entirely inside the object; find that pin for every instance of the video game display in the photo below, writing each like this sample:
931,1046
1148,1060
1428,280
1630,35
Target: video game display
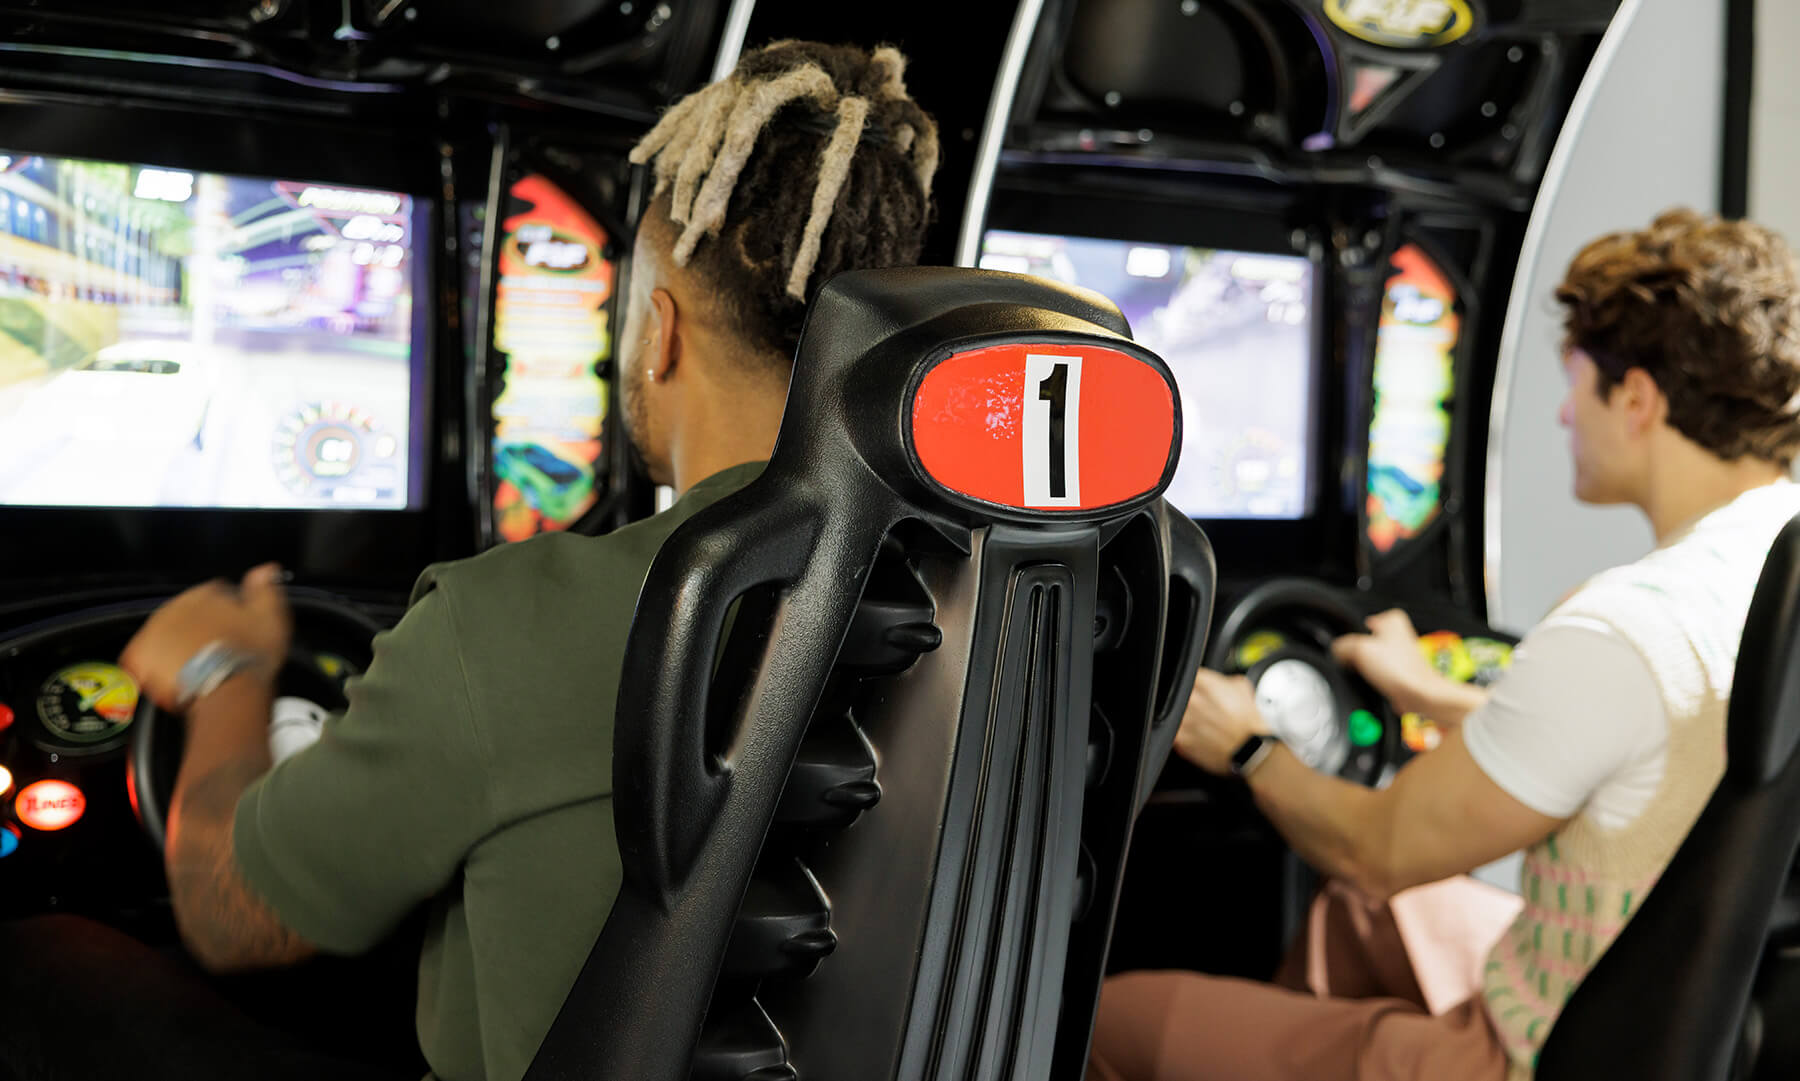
180,339
551,316
1415,378
1236,329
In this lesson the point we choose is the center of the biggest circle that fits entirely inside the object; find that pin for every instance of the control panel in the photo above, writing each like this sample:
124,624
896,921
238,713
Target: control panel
77,787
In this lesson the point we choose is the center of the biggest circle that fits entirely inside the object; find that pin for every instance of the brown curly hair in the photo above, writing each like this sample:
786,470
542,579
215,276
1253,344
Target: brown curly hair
808,160
1710,309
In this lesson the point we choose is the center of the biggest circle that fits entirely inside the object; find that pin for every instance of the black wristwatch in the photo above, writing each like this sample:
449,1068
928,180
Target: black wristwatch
1251,753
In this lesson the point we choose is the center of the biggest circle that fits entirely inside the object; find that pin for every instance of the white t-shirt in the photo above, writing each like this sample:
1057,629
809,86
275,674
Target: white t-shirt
1577,721
1578,724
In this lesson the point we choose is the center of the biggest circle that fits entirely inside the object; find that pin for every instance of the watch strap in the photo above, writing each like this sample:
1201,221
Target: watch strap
1251,754
208,669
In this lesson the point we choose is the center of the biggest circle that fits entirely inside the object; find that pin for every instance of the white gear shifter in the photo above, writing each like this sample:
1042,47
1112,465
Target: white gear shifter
294,725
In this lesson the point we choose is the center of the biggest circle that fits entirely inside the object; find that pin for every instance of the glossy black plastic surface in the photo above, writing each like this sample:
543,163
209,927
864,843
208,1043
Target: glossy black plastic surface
970,902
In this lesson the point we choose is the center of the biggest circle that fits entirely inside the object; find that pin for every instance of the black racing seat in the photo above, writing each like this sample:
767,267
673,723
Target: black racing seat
1668,1001
890,710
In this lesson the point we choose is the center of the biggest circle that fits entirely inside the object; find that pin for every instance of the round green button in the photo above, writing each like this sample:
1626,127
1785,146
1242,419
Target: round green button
1365,728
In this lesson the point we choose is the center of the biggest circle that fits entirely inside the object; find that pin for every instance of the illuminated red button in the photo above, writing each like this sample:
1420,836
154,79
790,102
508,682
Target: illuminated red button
6,716
50,805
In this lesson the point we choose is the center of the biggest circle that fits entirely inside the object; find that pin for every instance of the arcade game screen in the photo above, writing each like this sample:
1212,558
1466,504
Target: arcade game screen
1237,330
181,339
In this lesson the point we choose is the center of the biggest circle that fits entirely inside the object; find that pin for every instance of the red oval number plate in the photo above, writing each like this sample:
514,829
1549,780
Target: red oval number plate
1045,427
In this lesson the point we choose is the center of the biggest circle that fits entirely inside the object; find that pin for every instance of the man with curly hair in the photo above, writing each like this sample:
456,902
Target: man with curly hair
1597,751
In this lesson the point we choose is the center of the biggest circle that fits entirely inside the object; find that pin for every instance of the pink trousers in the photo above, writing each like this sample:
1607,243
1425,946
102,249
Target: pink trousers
1369,993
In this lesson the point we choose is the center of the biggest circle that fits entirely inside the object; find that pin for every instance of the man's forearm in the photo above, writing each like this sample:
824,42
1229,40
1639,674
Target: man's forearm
224,925
1335,826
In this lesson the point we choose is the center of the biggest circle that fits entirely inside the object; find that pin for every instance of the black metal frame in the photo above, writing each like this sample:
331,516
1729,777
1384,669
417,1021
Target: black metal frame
1740,91
604,61
1269,149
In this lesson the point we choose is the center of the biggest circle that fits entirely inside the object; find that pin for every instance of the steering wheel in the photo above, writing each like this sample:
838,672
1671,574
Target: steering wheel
157,740
1324,713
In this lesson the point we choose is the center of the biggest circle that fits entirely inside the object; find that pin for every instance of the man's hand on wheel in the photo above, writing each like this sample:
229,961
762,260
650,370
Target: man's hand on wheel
1221,714
251,616
1390,659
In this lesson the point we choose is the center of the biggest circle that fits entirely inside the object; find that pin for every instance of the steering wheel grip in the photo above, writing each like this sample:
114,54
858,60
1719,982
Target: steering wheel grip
1285,594
1329,614
149,800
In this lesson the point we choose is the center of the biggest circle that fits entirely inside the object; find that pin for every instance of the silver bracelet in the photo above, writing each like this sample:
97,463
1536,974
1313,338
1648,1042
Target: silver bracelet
204,672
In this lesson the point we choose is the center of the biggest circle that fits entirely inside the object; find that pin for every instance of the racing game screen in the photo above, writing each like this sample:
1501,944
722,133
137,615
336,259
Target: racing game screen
181,339
1236,328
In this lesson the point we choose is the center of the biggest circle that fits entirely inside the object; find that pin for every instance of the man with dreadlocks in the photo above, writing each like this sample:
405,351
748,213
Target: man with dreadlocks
806,162
472,771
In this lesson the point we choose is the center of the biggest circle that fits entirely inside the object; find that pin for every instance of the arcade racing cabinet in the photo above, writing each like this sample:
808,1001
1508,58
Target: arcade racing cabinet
328,284
1315,221
1315,213
333,284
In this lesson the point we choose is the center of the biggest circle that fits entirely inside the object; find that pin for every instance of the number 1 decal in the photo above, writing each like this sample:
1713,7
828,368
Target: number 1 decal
1052,443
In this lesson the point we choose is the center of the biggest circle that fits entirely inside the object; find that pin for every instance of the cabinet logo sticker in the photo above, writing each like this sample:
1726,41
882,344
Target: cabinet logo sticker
1402,24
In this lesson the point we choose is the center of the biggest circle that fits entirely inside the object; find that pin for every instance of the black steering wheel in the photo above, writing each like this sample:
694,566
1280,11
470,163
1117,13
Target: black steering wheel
157,740
1279,636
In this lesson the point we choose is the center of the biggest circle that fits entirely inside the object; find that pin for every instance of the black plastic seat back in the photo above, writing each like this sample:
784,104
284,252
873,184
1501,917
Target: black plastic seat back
1666,1001
889,712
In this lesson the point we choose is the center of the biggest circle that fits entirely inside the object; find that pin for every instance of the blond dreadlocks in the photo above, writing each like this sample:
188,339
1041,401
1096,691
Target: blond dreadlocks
806,161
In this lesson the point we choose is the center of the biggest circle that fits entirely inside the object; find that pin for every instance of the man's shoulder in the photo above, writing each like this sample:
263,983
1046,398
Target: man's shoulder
548,565
1685,600
1650,596
1719,559
551,572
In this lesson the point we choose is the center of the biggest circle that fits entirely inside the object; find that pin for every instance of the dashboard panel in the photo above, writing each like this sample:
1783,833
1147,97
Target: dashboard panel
71,835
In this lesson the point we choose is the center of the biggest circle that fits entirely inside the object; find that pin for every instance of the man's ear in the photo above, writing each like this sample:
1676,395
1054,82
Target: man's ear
1646,406
666,355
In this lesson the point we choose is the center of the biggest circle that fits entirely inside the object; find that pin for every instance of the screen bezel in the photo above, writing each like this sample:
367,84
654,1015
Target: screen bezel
363,547
1237,234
